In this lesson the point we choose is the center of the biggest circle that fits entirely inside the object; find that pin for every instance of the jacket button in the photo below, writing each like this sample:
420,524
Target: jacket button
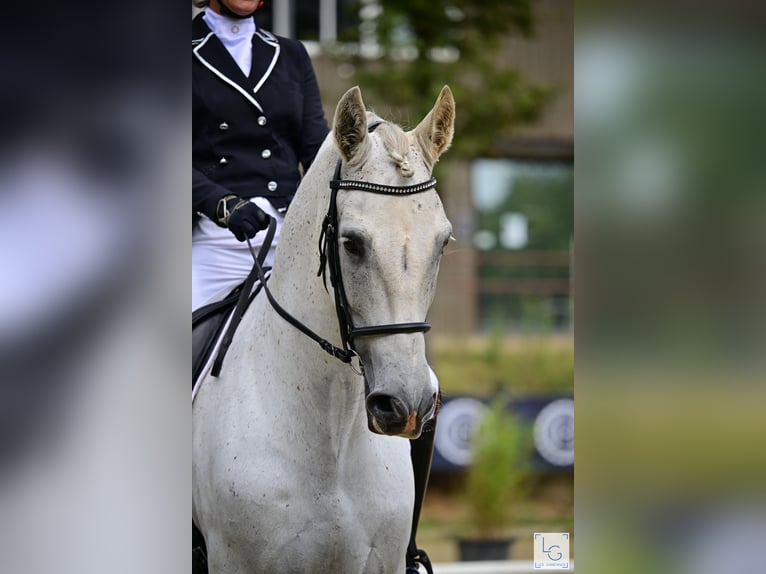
261,120
223,160
223,126
266,154
272,186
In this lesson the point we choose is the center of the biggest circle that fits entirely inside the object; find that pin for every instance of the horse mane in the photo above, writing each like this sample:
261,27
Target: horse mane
396,143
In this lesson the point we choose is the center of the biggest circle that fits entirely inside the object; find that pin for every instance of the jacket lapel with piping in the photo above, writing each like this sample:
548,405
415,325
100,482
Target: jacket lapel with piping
212,54
265,55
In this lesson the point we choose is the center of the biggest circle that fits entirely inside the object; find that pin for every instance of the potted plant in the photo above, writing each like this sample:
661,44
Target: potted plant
496,481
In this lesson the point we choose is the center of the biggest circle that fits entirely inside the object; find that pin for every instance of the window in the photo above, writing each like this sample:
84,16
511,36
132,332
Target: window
312,20
524,231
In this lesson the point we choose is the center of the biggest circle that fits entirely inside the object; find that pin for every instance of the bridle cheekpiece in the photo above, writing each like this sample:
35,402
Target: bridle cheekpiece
329,257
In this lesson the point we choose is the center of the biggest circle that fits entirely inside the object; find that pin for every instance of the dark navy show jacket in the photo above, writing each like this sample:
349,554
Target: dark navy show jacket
250,133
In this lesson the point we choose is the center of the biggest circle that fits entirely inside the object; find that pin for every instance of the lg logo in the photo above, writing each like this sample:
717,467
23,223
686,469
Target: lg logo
551,551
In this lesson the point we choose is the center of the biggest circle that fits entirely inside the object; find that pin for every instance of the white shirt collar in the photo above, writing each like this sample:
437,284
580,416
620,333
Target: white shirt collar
236,34
229,28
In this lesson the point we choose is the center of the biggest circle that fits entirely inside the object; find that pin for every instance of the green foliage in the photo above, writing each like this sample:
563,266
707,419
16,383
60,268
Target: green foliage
521,366
492,98
544,193
498,477
494,348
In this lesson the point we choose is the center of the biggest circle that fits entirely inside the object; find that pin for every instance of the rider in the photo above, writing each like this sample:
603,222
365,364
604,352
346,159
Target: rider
256,115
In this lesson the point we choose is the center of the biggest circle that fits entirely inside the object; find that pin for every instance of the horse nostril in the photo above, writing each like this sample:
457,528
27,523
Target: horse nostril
386,406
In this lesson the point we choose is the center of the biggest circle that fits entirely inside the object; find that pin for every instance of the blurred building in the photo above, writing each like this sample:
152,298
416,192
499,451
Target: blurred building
509,270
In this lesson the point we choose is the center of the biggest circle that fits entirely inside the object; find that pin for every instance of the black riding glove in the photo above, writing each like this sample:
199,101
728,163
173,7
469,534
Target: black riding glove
243,218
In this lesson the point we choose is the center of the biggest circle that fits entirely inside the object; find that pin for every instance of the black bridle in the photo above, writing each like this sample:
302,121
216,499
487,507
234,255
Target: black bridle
329,256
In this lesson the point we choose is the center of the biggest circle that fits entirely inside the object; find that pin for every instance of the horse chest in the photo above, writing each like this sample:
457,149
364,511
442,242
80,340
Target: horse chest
357,487
343,517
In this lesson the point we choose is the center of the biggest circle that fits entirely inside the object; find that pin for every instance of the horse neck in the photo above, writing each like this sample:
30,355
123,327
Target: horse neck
327,386
294,277
294,281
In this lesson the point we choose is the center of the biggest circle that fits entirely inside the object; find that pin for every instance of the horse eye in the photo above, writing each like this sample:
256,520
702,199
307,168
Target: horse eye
353,246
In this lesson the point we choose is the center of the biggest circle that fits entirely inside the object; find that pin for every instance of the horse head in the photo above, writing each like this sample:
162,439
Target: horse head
389,246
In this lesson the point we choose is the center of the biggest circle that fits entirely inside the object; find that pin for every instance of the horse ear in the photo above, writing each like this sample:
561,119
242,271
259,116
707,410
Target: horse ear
434,133
350,124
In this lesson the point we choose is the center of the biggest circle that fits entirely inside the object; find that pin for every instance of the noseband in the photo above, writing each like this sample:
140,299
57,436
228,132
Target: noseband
329,257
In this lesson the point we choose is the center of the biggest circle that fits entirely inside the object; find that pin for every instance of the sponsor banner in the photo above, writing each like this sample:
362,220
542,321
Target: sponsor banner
551,418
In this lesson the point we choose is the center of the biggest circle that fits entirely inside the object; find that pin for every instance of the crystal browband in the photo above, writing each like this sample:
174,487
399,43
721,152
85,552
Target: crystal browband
380,188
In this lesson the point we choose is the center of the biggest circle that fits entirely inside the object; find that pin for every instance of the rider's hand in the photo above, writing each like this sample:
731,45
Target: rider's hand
243,218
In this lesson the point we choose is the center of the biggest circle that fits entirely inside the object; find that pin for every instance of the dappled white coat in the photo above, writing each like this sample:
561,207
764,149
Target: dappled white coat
288,473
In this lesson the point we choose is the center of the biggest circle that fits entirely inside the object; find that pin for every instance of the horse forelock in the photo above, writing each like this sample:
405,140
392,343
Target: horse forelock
396,143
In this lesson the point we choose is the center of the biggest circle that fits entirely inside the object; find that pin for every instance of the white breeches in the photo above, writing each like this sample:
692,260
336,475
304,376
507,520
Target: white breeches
220,262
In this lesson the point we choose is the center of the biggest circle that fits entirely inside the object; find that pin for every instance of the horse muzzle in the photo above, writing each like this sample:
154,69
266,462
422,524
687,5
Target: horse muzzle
389,415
